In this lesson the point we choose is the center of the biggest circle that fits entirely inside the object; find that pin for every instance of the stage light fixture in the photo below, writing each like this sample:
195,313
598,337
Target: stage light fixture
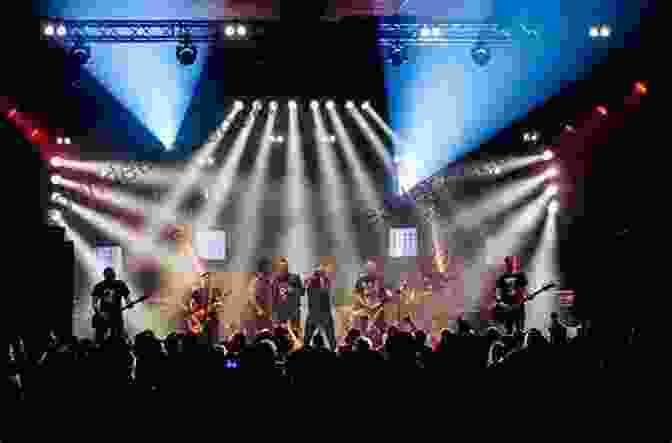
49,30
292,104
59,140
35,133
66,140
57,162
594,32
605,31
56,179
273,105
186,52
280,139
436,32
425,32
366,105
552,189
640,88
349,104
548,155
314,105
330,104
11,113
398,55
602,110
239,104
241,30
256,105
80,52
552,172
481,54
61,31
230,31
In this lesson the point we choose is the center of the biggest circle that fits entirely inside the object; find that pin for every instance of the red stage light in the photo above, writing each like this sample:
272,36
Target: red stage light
12,113
602,110
35,133
640,87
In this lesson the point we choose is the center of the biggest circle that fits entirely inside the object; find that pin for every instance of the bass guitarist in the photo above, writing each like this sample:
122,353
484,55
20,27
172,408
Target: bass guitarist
512,294
107,306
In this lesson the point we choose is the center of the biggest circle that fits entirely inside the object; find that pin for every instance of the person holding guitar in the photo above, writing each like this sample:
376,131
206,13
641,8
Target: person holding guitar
370,297
107,306
511,296
260,297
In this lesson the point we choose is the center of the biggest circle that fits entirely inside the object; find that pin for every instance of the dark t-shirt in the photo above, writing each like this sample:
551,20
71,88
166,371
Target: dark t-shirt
319,294
511,286
110,294
287,290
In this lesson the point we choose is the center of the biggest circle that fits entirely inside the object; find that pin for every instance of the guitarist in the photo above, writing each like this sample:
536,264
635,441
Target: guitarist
106,299
370,296
511,297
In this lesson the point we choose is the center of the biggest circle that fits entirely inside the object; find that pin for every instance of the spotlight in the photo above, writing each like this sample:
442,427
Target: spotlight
330,104
57,162
256,105
55,215
314,105
61,31
350,104
425,32
58,198
594,32
605,31
602,110
66,140
12,113
49,30
292,104
531,137
640,88
552,189
81,53
553,207
366,105
274,106
239,104
59,141
35,133
569,128
553,172
230,31
280,139
56,179
436,32
548,155
242,31
207,161
481,54
186,52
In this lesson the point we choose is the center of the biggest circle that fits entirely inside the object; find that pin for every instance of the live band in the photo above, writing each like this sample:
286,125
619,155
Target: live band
274,299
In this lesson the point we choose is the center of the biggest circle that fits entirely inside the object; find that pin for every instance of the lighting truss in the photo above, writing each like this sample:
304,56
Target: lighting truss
146,31
448,34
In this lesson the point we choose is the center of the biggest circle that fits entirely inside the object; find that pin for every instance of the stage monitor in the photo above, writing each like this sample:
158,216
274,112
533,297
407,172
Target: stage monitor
211,245
403,242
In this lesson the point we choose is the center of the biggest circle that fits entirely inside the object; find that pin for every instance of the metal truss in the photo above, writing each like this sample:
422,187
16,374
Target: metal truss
213,31
447,34
144,31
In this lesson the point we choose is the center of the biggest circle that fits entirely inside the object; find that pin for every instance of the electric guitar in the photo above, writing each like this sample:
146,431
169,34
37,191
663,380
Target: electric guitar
100,318
503,308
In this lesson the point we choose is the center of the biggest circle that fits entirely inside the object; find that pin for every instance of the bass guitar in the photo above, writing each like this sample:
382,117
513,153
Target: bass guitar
504,308
101,318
